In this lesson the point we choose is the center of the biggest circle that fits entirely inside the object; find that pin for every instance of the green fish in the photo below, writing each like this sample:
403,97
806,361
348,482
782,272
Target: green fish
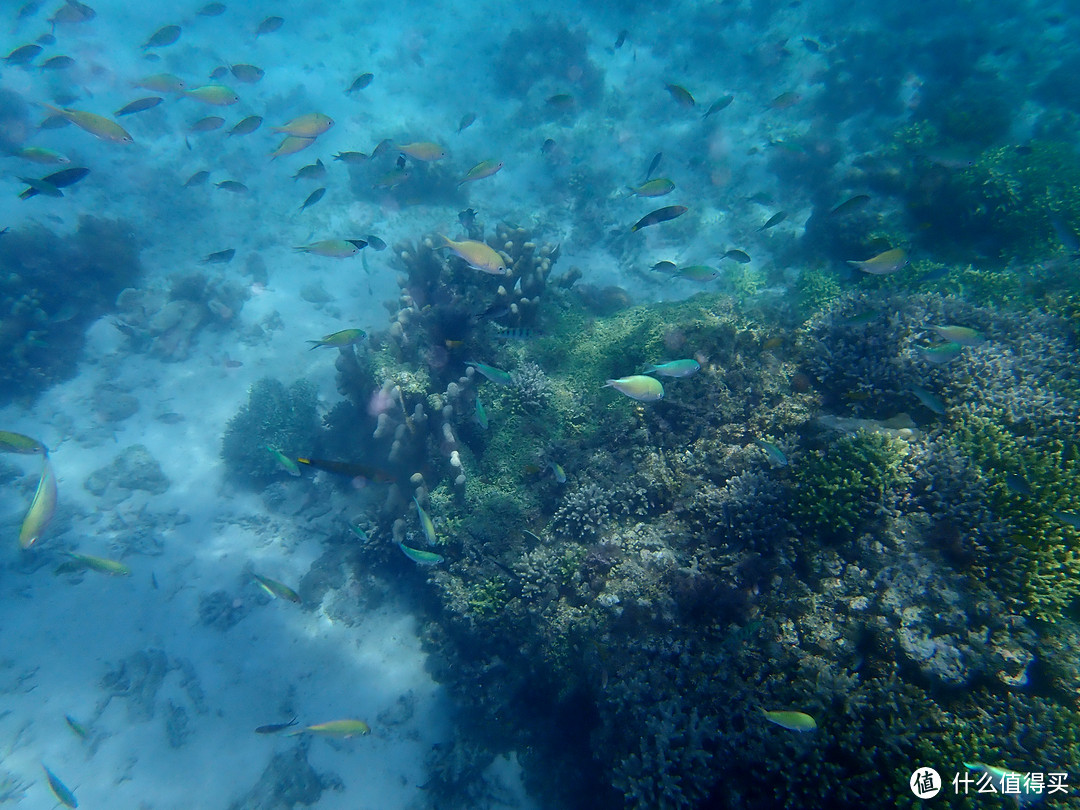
940,354
639,387
42,508
792,721
332,248
654,188
485,168
277,589
929,400
1027,793
420,557
697,272
335,728
61,791
17,443
358,530
481,415
338,340
676,368
740,256
100,564
659,215
425,522
681,95
558,472
964,335
718,105
286,463
496,375
775,454
774,220
884,263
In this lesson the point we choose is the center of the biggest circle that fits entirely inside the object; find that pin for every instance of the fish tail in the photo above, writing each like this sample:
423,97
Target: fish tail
317,344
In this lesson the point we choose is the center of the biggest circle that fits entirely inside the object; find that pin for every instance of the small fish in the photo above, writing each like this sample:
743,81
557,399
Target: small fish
331,248
23,55
718,105
165,35
39,154
497,376
311,125
162,83
420,557
964,335
776,456
38,186
1018,485
792,721
221,257
277,589
426,524
208,124
548,146
423,150
784,101
654,164
248,74
353,158
697,272
42,508
563,102
654,188
100,564
216,95
197,179
18,443
391,179
338,340
740,256
247,125
358,530
51,183
139,105
374,242
57,63
72,12
97,125
558,472
681,95
665,266
639,387
675,368
286,463
484,168
883,263
477,255
480,415
467,121
931,401
313,198
78,728
211,10
274,728
813,46
621,38
1072,518
269,26
850,205
349,469
291,145
312,171
940,354
467,218
659,215
61,791
336,728
235,186
862,318
774,220
360,82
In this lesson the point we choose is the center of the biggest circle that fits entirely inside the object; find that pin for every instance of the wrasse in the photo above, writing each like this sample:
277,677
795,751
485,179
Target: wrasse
349,469
659,215
277,589
336,728
274,728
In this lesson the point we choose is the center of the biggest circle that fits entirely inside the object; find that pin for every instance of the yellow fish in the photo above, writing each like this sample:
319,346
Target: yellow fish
162,83
277,589
335,728
334,248
101,564
884,263
423,150
477,255
97,125
216,94
18,443
484,168
42,508
291,145
792,721
311,125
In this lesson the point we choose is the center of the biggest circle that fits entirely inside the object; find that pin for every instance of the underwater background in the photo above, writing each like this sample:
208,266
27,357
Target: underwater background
479,405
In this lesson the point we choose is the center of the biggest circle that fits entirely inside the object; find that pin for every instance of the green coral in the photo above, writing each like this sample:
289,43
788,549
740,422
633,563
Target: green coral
274,416
837,490
1043,555
815,290
488,597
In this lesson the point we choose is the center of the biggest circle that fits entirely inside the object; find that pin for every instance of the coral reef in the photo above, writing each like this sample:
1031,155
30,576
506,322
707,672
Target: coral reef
274,416
51,290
